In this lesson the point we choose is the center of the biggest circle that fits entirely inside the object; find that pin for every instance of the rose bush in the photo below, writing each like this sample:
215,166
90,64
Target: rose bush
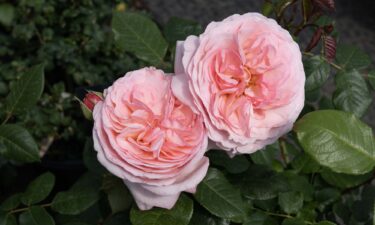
245,75
150,139
240,82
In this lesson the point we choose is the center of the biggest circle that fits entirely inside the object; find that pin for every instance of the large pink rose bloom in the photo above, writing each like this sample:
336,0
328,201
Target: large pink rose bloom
245,76
147,137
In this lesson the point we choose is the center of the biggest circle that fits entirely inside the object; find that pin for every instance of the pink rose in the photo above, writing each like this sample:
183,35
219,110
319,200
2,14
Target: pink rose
245,75
147,137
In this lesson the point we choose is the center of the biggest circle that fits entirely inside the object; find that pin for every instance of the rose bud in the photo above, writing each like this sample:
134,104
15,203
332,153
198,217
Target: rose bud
88,103
150,139
245,76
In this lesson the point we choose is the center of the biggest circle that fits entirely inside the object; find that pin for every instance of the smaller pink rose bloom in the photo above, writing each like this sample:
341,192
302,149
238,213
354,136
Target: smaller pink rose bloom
148,138
245,76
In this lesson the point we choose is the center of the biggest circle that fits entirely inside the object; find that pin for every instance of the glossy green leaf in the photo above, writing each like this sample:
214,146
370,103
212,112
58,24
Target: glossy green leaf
11,202
337,140
36,215
74,201
219,197
38,189
7,219
351,57
26,91
139,35
291,202
180,214
17,144
342,180
317,72
265,156
6,14
351,94
177,29
236,164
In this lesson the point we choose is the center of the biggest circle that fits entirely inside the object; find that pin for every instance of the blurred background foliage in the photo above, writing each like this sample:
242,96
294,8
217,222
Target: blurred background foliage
73,39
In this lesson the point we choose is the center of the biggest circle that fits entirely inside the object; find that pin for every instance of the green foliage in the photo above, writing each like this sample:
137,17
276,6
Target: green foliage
139,35
75,201
36,216
178,29
291,202
351,57
26,91
337,140
180,214
219,197
352,94
322,174
17,144
39,189
236,164
317,72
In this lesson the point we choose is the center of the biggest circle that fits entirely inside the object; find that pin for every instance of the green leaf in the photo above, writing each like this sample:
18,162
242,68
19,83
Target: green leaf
11,203
36,215
219,197
317,72
293,221
351,57
17,144
308,212
337,140
26,91
7,219
344,180
265,156
291,202
371,78
351,94
261,183
202,217
304,163
259,218
88,179
38,189
139,35
236,164
326,197
74,201
180,214
6,14
178,29
299,183
119,197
